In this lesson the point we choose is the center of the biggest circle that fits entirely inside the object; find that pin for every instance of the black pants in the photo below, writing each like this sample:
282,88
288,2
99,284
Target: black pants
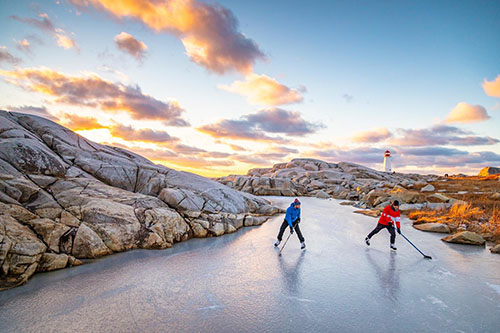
295,224
389,228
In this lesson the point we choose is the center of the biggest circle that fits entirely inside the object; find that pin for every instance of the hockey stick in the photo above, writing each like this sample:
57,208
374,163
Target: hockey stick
284,244
425,256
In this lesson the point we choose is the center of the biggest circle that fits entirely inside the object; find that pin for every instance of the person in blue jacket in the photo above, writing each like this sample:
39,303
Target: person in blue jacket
292,219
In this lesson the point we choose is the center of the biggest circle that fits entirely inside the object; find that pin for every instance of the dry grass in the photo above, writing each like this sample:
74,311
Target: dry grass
480,213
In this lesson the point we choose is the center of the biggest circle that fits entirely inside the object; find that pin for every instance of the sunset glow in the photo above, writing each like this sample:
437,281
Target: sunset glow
220,87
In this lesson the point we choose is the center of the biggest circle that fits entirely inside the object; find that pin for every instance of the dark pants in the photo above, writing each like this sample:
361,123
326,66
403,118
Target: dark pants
295,224
389,228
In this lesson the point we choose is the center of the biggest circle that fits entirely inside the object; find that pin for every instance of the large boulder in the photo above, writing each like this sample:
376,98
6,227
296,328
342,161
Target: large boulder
88,244
52,261
495,248
20,252
63,197
322,195
465,237
433,227
405,196
488,171
428,188
438,197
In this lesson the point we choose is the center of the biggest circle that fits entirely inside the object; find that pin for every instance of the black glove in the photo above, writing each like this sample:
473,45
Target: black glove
399,231
291,231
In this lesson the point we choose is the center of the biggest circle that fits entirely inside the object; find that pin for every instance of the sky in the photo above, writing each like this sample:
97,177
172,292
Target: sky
220,87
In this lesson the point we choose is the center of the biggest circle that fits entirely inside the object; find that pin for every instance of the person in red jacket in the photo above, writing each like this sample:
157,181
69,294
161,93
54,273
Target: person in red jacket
390,215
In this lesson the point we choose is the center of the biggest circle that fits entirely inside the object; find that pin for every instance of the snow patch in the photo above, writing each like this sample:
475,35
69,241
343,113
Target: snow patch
435,300
495,287
301,299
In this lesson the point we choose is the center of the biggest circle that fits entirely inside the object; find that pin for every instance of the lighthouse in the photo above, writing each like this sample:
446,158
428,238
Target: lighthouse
387,161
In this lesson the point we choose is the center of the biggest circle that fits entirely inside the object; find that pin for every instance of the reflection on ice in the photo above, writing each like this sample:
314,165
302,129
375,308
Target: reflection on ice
387,275
290,272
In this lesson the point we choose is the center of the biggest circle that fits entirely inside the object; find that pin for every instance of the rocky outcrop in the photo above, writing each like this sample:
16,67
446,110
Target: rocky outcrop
433,227
465,237
495,249
489,171
311,177
63,197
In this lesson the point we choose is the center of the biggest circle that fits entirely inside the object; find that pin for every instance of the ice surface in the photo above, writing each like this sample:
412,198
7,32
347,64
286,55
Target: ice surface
238,283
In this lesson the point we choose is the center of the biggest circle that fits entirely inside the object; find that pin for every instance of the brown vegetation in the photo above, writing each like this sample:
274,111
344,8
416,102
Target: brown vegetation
480,212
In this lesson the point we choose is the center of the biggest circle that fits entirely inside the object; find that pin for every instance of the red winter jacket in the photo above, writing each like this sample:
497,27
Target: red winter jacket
389,215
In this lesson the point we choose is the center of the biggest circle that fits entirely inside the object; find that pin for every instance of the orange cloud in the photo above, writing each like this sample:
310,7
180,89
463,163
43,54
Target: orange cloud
377,135
93,91
466,113
492,88
209,32
64,41
236,147
77,123
264,90
128,44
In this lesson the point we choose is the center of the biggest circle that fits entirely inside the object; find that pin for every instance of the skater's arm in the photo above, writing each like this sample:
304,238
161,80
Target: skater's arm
288,216
398,221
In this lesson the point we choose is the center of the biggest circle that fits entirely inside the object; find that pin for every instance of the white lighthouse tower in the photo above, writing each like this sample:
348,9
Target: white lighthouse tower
387,161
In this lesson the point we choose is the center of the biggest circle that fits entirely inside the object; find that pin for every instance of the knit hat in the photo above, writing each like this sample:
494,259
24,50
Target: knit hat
296,202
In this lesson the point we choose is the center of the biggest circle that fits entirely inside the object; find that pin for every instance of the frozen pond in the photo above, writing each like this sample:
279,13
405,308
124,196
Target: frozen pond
238,283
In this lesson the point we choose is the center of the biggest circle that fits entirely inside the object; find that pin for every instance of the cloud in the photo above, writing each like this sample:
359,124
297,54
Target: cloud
276,120
44,23
64,41
144,135
466,113
492,88
24,46
374,136
215,154
187,150
259,159
439,135
78,123
363,155
93,91
285,150
171,157
264,90
257,126
35,110
431,151
236,129
348,98
208,31
236,147
128,44
437,158
6,56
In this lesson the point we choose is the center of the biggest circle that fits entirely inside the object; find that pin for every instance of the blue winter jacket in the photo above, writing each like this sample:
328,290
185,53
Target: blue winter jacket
292,214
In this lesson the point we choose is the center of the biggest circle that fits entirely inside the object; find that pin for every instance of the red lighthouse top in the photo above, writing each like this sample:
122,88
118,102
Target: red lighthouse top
387,153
